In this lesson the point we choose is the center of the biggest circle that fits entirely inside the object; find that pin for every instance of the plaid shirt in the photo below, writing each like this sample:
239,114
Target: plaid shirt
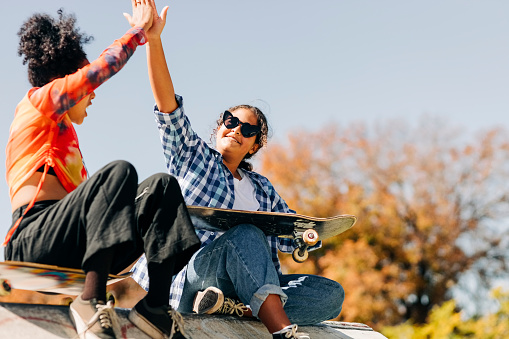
206,181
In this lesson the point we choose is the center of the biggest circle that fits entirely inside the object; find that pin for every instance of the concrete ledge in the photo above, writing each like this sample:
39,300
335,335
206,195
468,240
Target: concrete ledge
51,321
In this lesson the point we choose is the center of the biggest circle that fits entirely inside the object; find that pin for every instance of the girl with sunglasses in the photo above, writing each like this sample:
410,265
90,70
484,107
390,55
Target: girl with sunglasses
238,267
100,224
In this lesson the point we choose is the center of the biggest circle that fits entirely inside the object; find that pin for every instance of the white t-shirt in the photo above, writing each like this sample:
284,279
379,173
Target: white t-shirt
245,198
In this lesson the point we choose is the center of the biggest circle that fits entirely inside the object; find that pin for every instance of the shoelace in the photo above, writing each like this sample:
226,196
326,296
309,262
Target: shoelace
102,315
293,333
105,318
230,306
178,322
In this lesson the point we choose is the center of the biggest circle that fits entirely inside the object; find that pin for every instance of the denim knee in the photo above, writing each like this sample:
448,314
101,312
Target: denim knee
337,296
245,232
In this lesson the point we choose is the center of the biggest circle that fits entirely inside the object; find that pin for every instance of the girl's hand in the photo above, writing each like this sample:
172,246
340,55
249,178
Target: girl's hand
158,22
142,14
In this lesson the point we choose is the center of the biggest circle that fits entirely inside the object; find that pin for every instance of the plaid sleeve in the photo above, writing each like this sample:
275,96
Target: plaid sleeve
199,169
177,288
140,272
178,139
140,275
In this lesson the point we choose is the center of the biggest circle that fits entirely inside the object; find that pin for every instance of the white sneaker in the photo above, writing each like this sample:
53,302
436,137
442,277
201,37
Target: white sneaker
212,301
208,301
94,319
290,332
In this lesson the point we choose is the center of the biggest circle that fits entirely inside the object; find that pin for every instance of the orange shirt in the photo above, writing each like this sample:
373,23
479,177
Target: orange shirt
36,139
42,132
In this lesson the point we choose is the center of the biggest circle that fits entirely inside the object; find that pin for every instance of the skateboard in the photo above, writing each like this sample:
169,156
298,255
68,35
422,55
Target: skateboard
305,231
44,278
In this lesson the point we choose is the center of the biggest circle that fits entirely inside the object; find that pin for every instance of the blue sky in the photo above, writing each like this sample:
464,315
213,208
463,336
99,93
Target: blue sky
305,63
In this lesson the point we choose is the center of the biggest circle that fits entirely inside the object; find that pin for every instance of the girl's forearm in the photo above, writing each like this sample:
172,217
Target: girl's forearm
159,76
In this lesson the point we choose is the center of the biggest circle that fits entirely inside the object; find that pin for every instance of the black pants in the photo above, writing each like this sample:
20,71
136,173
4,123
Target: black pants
109,210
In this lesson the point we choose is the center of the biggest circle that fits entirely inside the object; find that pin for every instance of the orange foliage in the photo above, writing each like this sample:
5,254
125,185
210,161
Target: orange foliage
420,195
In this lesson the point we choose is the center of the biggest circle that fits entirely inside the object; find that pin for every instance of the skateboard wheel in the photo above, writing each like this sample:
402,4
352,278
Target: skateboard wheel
5,287
300,256
110,297
67,301
310,237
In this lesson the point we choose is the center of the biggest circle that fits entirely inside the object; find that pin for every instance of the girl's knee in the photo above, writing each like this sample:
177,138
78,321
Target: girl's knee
246,236
339,292
337,296
247,231
172,182
122,169
121,164
162,182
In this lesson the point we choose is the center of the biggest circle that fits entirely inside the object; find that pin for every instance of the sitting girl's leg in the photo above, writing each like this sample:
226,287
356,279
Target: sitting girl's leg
166,232
97,215
90,228
239,264
311,298
169,240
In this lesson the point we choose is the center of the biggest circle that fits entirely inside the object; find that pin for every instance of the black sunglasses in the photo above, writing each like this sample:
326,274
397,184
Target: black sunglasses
246,129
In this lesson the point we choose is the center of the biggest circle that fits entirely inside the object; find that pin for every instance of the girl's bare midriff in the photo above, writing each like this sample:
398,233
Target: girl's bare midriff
52,189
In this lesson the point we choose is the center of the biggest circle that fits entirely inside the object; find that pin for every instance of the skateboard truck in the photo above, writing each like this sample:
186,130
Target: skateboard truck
5,287
302,240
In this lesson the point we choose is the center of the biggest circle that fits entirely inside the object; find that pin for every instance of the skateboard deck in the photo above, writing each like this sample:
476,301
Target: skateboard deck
304,230
44,278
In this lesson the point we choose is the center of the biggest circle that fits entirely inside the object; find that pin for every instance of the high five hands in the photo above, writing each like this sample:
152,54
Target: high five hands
142,14
157,22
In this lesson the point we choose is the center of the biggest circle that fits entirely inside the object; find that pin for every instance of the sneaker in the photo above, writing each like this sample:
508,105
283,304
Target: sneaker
290,332
94,319
208,301
212,301
158,322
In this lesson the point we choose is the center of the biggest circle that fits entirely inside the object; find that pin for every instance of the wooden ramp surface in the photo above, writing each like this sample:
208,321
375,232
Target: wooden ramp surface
51,321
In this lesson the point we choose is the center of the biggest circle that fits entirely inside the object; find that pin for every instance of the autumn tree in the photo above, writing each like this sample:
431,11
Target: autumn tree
432,204
446,322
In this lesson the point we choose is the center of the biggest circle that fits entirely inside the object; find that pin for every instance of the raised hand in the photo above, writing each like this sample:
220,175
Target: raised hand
142,14
158,21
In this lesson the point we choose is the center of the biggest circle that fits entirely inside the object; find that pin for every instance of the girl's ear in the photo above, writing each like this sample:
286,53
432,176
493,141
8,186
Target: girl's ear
254,149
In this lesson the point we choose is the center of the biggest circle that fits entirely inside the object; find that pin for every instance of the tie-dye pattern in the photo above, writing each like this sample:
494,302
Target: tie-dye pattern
42,132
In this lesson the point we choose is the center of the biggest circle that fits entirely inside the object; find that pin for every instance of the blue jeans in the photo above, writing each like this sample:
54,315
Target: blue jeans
239,263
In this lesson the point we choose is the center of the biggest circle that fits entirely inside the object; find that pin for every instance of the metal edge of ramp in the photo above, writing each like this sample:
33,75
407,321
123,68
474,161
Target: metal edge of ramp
50,322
